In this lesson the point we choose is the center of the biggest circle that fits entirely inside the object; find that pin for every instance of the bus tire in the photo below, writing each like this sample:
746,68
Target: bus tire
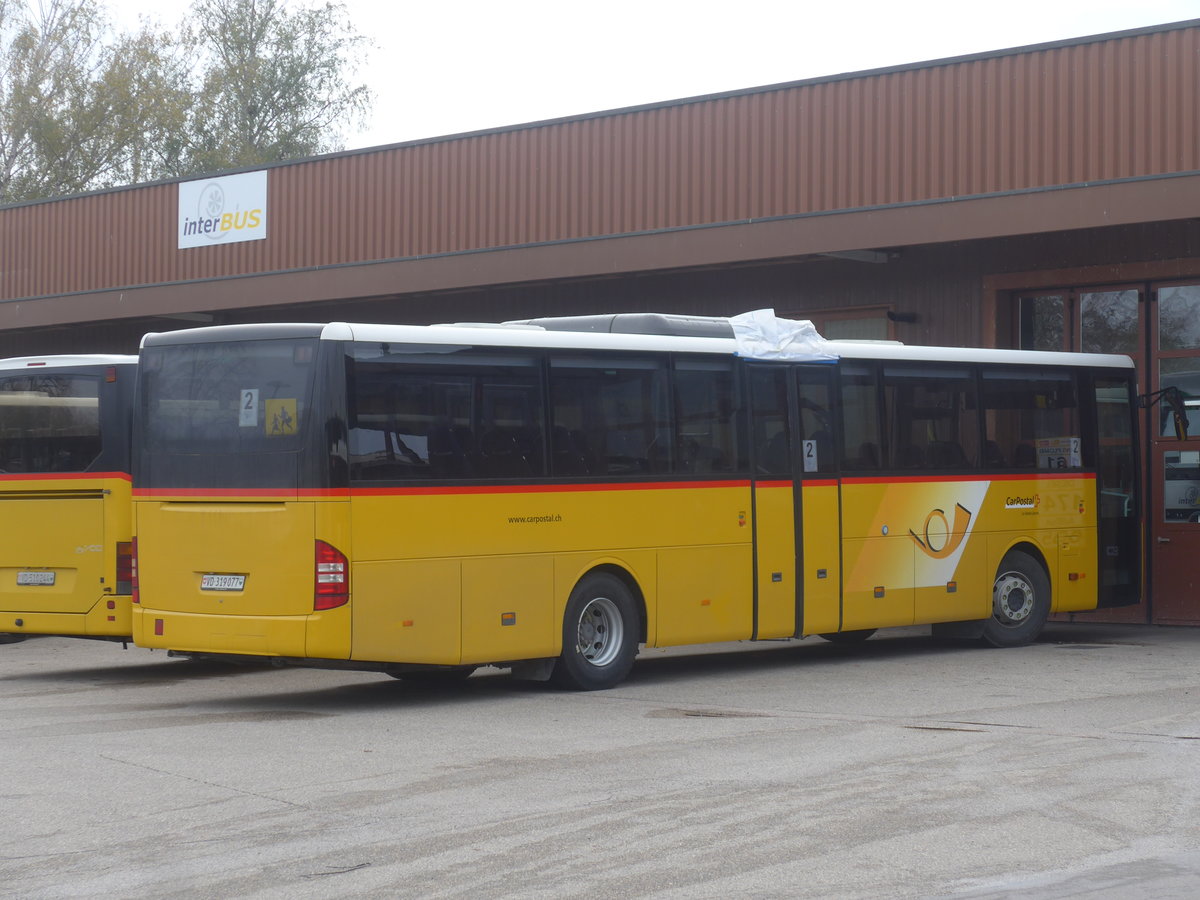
848,637
1020,601
600,635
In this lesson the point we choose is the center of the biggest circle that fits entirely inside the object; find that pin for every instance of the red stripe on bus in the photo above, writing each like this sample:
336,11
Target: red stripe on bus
806,483
164,493
548,488
575,487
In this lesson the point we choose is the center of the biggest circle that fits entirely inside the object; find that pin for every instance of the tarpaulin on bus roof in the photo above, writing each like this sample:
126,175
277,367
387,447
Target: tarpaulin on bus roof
761,334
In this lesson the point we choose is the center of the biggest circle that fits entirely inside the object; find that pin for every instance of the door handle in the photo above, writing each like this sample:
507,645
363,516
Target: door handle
1163,540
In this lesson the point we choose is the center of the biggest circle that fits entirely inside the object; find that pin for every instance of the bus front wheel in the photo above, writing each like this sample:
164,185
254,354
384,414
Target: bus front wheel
1020,601
600,635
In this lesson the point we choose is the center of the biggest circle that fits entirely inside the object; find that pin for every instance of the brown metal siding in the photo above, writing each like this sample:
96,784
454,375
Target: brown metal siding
1086,112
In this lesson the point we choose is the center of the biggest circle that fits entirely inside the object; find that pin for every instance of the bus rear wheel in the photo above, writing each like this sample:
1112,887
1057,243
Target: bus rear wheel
600,635
1020,601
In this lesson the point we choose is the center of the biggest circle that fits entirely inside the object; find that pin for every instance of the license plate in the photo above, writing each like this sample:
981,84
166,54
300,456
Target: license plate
35,578
222,582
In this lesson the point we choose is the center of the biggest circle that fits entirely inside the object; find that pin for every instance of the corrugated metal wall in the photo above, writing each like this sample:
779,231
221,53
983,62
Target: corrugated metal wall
1085,112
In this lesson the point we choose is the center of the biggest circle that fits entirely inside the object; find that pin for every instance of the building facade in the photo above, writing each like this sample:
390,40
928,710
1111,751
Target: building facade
1040,197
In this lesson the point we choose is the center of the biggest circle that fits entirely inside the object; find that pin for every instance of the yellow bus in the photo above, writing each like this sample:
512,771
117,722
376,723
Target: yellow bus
65,504
546,496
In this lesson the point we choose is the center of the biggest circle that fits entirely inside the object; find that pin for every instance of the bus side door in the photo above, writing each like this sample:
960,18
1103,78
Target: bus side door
795,502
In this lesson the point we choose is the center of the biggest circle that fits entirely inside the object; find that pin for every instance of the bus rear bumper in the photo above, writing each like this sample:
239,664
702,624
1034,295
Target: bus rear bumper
109,618
211,634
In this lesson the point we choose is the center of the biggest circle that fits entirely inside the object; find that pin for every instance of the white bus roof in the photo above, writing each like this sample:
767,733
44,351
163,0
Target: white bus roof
67,361
527,335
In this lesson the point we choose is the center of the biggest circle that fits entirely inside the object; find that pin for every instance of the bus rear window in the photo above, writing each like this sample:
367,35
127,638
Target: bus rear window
49,423
234,397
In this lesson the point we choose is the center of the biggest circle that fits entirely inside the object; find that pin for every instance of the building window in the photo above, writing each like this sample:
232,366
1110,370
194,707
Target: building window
870,323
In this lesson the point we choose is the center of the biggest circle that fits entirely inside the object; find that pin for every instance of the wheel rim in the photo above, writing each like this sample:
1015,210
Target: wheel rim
601,631
1012,599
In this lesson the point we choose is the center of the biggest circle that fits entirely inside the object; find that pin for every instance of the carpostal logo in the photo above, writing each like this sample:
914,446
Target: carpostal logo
939,538
1032,502
223,210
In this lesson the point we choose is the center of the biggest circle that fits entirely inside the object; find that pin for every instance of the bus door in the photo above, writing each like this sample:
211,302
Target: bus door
795,502
820,503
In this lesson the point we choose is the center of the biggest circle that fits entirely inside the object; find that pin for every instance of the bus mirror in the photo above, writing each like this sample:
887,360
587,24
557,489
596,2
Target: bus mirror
1173,397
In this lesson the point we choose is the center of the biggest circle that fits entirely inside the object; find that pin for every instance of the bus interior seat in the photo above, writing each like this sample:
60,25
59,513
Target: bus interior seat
946,455
868,456
699,457
568,452
775,455
1025,457
448,454
500,455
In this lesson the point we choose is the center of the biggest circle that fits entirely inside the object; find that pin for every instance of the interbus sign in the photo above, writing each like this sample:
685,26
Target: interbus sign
223,210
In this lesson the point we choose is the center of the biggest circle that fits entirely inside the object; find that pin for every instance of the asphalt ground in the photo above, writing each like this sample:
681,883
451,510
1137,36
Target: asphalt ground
898,768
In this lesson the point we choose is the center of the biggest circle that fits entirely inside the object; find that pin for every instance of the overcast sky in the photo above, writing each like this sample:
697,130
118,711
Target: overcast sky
447,67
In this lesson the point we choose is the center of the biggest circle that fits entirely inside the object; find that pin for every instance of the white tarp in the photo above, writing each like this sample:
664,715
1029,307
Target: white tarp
762,335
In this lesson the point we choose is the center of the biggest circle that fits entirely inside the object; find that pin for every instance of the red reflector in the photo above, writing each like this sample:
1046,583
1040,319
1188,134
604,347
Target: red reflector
110,374
124,566
158,626
112,604
331,577
133,572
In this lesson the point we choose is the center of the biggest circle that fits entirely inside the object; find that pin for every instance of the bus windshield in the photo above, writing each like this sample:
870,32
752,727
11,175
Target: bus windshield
232,397
49,423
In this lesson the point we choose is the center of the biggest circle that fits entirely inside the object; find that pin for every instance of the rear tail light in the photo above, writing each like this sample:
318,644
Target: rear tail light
124,567
331,578
133,573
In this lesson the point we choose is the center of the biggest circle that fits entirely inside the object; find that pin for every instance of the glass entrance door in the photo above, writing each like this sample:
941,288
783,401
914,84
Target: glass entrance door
1174,527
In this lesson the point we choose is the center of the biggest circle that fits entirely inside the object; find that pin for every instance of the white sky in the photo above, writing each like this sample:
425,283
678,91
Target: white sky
460,65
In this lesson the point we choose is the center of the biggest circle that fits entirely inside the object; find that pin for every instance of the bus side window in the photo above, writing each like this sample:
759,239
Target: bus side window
861,442
769,421
609,416
816,419
1031,419
932,416
440,416
706,420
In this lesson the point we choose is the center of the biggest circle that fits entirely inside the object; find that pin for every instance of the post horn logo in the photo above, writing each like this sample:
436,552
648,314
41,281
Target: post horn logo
945,539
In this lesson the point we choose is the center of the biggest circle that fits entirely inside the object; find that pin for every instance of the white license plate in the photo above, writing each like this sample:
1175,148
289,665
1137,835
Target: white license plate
222,582
35,578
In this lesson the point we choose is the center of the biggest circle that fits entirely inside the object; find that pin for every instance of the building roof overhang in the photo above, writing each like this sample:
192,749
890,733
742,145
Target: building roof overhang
871,234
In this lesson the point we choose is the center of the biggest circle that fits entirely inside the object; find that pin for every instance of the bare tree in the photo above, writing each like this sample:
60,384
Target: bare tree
81,108
276,83
242,82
